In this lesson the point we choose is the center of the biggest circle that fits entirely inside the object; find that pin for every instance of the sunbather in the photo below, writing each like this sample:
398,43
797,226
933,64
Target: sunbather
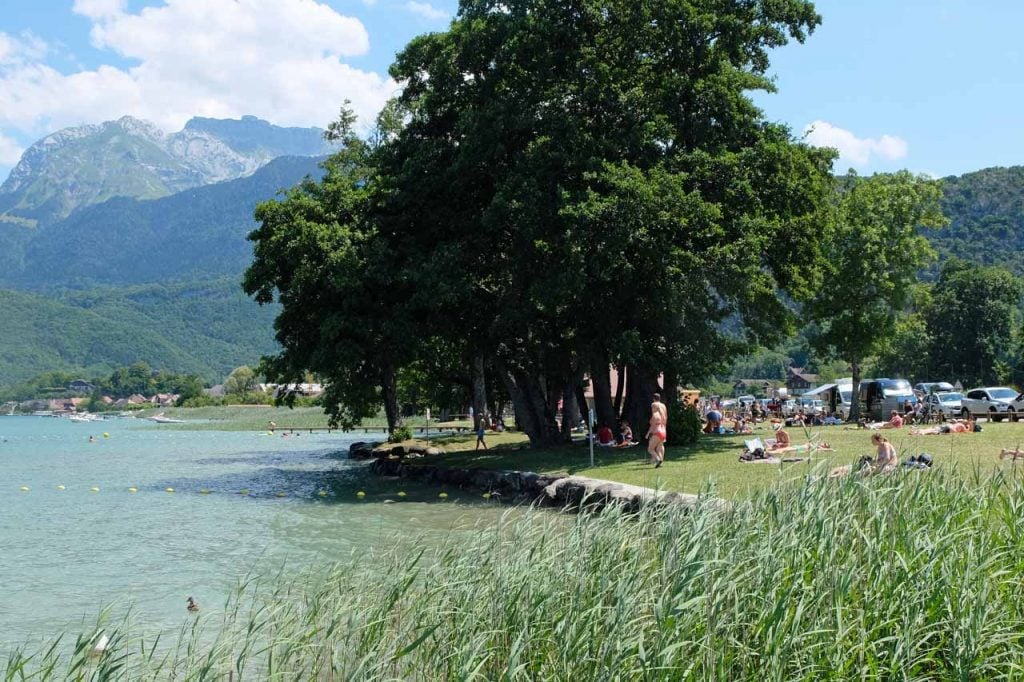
948,427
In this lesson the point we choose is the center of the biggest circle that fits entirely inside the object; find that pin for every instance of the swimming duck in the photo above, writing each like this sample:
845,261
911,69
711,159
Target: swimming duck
192,605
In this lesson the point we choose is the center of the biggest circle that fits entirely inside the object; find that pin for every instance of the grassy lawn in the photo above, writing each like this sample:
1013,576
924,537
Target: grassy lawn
712,463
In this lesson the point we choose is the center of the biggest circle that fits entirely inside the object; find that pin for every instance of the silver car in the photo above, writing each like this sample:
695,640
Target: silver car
946,403
992,402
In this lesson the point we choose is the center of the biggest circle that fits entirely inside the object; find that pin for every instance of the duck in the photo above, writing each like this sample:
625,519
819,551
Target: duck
192,605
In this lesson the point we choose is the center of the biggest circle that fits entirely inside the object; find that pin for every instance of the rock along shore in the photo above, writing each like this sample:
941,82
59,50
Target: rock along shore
551,490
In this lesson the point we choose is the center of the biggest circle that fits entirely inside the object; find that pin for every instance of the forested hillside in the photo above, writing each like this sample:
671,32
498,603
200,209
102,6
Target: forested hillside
986,212
193,235
204,328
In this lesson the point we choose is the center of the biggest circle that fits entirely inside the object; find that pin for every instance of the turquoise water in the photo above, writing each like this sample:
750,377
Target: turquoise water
67,554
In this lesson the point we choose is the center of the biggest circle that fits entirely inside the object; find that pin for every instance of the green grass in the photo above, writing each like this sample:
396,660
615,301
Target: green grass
909,576
712,464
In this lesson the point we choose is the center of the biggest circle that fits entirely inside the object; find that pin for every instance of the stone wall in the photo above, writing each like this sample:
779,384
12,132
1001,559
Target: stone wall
554,490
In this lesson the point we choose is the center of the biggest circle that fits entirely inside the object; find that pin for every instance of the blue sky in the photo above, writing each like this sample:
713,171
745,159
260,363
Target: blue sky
929,85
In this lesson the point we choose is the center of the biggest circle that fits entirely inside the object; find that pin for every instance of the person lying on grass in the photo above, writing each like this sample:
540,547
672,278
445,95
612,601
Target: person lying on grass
1011,454
948,427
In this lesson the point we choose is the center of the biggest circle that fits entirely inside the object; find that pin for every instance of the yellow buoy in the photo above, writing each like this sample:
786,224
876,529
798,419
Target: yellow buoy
322,493
443,496
133,489
487,496
60,487
243,491
24,488
401,493
170,490
204,491
270,433
106,435
360,494
94,489
282,494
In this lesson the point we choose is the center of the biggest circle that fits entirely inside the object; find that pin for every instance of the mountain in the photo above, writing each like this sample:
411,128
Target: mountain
205,328
986,213
88,165
196,234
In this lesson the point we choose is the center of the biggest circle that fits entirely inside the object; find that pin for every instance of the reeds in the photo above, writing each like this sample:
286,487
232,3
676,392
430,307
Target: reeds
913,576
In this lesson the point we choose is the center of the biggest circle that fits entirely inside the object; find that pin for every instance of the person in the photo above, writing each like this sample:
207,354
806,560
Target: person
625,435
948,427
782,439
272,426
713,421
657,434
895,422
885,459
481,430
659,429
605,436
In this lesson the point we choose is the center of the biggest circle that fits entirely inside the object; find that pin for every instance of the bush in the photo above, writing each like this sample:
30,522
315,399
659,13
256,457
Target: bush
399,434
684,424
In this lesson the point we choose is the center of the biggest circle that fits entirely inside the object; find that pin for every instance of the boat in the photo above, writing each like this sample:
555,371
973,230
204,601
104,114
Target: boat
161,419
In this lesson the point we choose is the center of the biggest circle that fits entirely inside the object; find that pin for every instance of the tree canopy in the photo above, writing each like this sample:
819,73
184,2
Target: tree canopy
574,185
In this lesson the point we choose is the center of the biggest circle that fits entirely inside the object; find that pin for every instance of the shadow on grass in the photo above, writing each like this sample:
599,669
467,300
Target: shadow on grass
574,458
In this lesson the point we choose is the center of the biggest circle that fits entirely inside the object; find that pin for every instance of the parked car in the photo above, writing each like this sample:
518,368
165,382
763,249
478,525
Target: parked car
928,387
992,402
946,403
811,406
879,397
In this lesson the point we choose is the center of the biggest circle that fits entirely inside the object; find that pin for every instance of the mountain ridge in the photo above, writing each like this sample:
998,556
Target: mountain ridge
86,165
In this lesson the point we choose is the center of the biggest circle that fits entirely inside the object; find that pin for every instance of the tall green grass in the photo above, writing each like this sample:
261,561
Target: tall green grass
919,575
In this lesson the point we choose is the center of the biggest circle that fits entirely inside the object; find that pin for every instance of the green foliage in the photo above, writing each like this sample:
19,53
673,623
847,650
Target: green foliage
875,252
972,323
240,381
986,211
399,434
910,577
200,328
684,423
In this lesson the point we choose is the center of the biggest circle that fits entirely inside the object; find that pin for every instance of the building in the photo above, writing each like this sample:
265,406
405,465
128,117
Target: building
755,387
799,381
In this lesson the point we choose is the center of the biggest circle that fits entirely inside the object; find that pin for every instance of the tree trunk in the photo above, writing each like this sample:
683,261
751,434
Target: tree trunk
581,401
479,390
533,414
855,392
620,390
390,394
570,410
643,384
604,413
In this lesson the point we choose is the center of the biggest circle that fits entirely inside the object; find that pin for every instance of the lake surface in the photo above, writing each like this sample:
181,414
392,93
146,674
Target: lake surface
242,503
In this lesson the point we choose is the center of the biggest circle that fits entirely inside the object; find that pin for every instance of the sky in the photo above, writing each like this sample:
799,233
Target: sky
933,86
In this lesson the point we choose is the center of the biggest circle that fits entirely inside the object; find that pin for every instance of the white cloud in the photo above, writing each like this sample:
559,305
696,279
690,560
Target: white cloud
25,47
426,10
97,9
282,60
853,150
10,151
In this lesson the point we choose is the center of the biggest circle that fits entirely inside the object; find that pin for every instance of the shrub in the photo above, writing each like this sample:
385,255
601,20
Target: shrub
399,434
684,424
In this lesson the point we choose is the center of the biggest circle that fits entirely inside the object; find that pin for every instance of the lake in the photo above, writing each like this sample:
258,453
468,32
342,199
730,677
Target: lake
242,503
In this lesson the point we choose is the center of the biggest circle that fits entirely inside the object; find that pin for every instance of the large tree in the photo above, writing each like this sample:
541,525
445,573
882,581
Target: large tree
316,253
875,250
972,318
587,182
